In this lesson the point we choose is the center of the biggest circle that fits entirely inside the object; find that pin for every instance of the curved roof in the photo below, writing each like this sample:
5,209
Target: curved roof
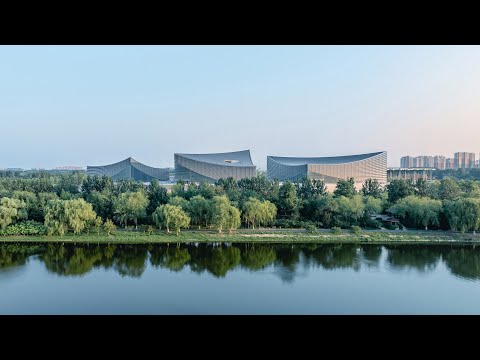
235,158
332,160
129,169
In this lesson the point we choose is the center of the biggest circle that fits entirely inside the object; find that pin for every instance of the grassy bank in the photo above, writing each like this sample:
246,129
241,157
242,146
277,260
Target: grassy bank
257,237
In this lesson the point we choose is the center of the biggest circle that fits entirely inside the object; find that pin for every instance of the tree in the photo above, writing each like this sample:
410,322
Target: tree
62,215
233,218
197,209
109,227
222,215
260,185
371,187
398,189
311,188
43,199
178,201
421,187
10,211
171,217
206,190
345,188
258,212
350,210
421,210
449,189
157,195
463,214
31,203
372,205
98,222
102,203
130,206
230,187
287,199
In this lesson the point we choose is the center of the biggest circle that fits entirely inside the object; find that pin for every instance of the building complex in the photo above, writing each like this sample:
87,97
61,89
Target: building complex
330,169
460,160
212,167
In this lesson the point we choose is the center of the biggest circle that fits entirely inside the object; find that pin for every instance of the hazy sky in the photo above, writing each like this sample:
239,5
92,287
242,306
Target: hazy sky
94,105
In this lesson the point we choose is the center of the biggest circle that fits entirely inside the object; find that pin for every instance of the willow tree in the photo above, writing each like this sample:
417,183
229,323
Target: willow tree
171,217
63,215
10,211
130,206
233,218
421,210
463,214
197,209
258,212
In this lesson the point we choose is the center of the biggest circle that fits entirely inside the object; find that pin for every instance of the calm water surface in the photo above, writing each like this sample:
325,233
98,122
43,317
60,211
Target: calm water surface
239,279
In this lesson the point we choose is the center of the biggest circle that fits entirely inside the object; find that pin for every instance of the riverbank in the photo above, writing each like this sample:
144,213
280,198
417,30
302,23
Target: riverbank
324,237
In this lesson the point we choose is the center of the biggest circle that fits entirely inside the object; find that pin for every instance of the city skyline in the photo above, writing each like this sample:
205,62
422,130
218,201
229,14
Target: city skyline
82,105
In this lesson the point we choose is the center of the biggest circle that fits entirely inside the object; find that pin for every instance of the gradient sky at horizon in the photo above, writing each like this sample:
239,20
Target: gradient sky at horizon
95,105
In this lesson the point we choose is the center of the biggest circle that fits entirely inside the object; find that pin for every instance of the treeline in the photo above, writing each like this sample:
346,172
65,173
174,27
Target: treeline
76,203
461,174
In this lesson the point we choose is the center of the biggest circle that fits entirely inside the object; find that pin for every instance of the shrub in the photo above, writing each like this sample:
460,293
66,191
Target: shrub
109,227
371,224
24,228
389,226
336,230
357,230
150,229
309,227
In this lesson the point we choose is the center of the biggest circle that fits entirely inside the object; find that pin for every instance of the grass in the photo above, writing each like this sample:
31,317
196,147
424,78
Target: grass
257,237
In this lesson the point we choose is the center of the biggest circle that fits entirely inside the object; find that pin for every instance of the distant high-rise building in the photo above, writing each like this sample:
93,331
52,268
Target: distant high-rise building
406,162
449,163
418,161
423,162
464,160
428,161
439,162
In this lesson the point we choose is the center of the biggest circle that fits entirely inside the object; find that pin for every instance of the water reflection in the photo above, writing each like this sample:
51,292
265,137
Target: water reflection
286,261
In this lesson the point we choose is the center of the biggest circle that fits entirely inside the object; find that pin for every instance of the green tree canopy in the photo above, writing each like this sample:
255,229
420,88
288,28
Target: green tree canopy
288,201
449,189
11,210
371,187
130,206
398,189
345,188
463,214
171,217
258,212
421,210
311,188
62,215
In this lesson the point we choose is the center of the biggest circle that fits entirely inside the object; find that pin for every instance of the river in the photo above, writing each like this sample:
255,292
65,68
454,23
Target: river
239,279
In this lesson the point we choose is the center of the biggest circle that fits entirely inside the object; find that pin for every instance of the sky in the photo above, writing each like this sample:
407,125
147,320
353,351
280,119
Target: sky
96,105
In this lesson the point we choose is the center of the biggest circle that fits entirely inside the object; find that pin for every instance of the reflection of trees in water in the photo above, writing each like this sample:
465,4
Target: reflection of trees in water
256,257
333,256
288,256
16,255
463,262
71,260
172,258
371,254
420,258
131,260
217,260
